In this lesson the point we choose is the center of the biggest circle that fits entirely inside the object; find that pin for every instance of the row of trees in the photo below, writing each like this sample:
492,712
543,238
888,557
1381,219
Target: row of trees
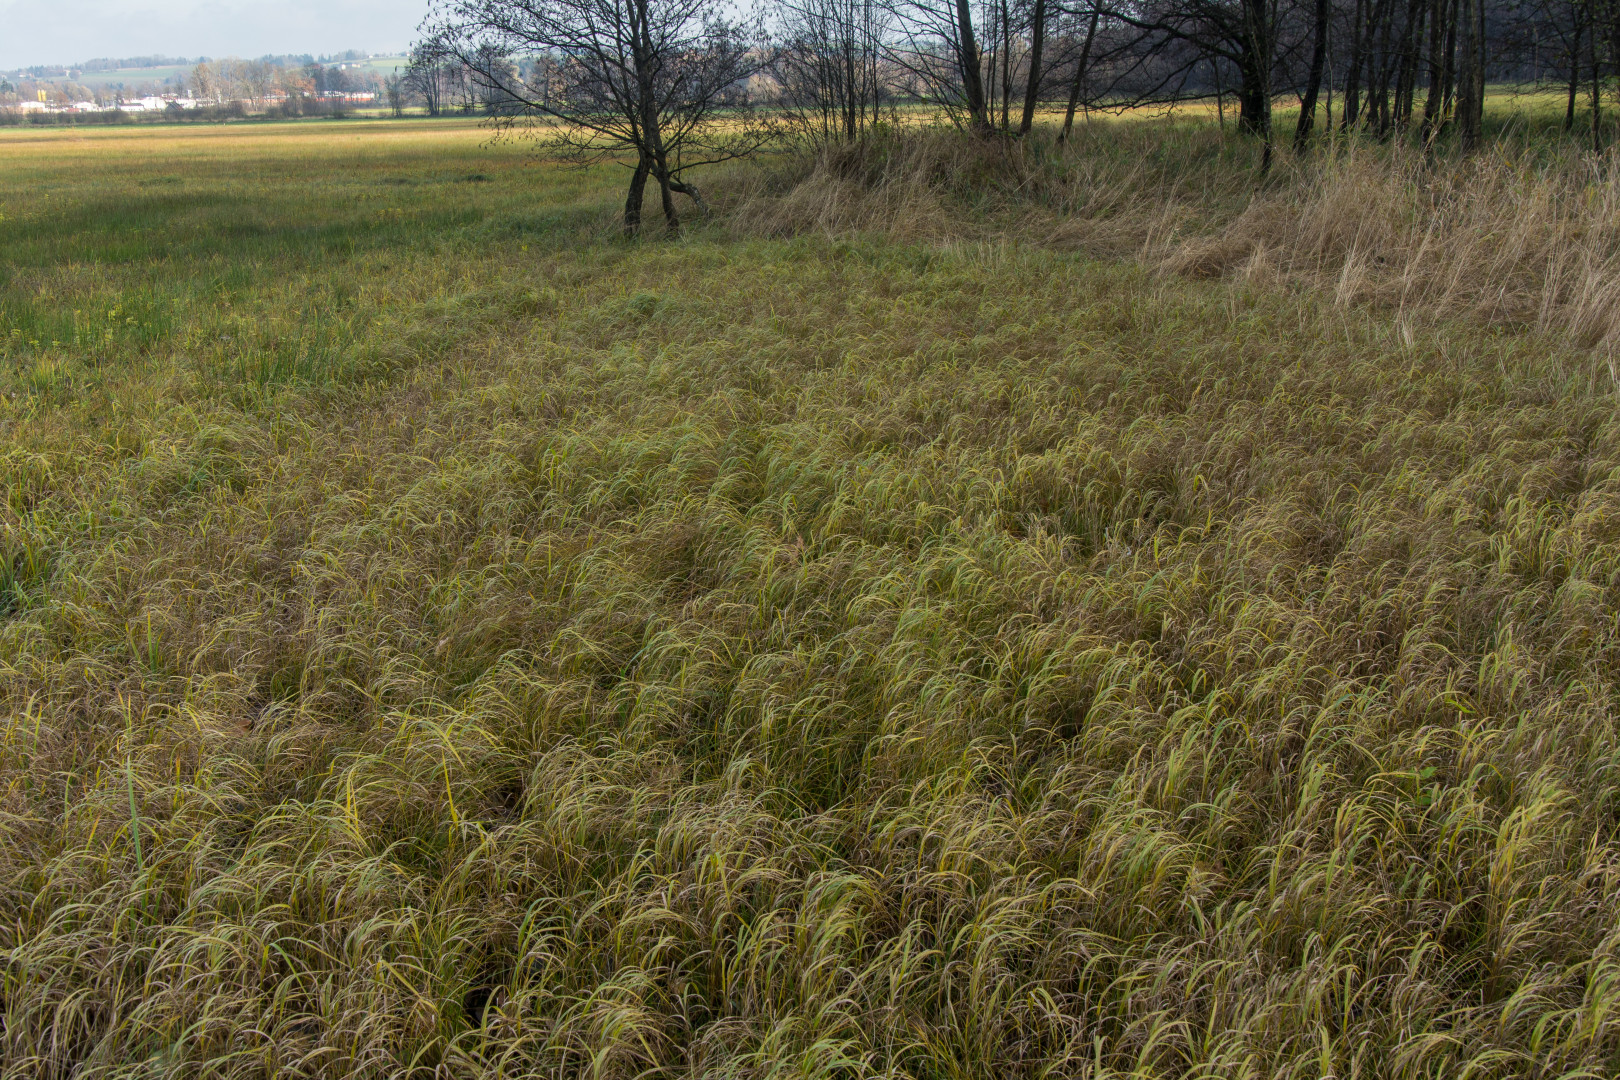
56,92
440,88
654,78
1395,65
232,79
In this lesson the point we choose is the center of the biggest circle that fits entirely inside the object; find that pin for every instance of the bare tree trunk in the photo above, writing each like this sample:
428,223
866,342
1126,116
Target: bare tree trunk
851,104
1439,60
632,202
1006,63
1032,88
650,131
1079,76
1254,102
687,188
1313,85
1327,83
1471,73
972,74
1612,15
1378,87
1411,47
988,60
1448,102
1352,76
1574,66
1597,85
672,220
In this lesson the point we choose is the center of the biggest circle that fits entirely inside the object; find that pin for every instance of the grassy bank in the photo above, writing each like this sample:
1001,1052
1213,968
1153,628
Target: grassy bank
438,636
1521,236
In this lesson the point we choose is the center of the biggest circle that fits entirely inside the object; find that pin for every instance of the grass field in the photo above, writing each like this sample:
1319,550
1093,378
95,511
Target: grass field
438,638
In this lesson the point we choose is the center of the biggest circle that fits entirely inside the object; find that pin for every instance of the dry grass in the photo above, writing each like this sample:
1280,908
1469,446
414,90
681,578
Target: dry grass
1523,235
766,658
1515,238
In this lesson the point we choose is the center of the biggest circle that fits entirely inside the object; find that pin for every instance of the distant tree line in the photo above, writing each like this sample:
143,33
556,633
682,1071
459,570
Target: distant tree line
280,78
1383,66
442,88
107,63
223,82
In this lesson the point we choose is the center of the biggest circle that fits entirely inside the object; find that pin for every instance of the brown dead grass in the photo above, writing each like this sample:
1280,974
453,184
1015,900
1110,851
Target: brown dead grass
1519,235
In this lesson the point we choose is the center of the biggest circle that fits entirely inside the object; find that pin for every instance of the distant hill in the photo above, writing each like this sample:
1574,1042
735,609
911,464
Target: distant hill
135,70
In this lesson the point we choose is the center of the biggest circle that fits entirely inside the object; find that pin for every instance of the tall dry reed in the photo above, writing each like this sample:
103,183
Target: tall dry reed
1523,234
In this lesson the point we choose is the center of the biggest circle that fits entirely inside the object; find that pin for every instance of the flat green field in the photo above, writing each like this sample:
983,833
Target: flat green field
441,639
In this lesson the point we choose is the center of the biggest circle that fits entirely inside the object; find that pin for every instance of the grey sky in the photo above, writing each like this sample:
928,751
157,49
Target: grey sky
71,31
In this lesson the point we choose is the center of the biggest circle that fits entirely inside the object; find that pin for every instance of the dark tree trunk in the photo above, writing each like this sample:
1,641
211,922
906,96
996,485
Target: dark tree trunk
682,187
1032,89
666,199
1447,102
1379,67
632,202
1254,102
1411,46
1254,68
987,77
1254,114
972,72
1597,85
1471,73
1313,85
1006,65
1574,72
1613,15
1352,75
651,132
1438,62
1079,76
1260,53
852,104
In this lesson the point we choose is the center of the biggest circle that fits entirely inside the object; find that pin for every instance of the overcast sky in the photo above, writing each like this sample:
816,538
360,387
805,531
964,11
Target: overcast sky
72,31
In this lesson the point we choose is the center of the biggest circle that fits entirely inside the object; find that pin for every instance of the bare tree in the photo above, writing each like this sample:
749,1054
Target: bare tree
256,77
1313,84
1037,50
660,81
395,89
1078,83
425,77
1471,71
937,45
830,67
204,83
1383,56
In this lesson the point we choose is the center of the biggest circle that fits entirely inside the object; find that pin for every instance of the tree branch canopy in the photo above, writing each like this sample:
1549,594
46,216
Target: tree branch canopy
664,82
